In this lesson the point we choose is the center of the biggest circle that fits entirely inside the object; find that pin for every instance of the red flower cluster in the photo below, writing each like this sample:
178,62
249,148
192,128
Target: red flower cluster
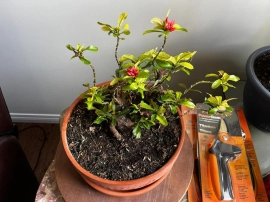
132,71
169,25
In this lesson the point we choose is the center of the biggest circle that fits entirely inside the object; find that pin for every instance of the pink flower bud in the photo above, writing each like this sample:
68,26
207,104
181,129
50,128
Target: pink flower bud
169,25
132,71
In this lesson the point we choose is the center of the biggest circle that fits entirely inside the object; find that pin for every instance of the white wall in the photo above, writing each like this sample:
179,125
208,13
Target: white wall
39,81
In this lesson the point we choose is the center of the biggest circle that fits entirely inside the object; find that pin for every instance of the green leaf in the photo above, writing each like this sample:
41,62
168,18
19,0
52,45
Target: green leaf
182,85
164,64
150,31
70,47
126,26
213,110
185,55
91,48
156,68
133,86
157,21
179,28
188,104
145,106
126,32
106,28
114,81
225,88
121,18
99,120
162,120
142,76
234,78
185,70
89,105
85,61
186,65
74,56
161,110
178,95
127,57
137,131
212,75
104,24
216,84
225,77
173,109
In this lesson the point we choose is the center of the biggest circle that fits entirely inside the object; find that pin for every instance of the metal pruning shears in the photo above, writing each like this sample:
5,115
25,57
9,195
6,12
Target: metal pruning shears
221,150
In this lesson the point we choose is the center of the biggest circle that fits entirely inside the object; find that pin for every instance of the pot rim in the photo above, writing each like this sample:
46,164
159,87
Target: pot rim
106,181
251,73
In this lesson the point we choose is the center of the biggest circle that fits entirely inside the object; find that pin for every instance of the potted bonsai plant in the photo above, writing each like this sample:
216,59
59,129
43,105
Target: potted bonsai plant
256,96
124,135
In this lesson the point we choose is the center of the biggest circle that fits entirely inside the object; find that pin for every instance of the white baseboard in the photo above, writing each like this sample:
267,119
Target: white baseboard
35,118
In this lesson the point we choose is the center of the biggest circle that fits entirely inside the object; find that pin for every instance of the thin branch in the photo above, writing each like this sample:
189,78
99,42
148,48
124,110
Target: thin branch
116,49
195,84
94,74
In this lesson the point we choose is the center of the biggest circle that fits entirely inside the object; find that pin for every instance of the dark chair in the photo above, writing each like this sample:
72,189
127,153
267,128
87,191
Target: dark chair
17,180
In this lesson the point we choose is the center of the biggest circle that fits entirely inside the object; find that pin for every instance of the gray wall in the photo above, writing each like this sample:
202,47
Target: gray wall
39,81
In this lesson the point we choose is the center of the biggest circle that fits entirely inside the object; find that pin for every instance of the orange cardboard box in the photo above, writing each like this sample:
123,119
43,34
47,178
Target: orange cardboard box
257,180
194,192
224,167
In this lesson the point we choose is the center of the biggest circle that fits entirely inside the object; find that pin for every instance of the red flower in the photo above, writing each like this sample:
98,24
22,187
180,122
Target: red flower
169,25
132,71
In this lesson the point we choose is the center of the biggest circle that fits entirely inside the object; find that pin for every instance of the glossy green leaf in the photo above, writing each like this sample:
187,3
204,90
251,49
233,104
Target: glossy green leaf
126,26
234,78
127,57
213,110
157,21
185,56
186,65
70,47
173,109
185,70
225,88
162,119
121,19
150,31
85,61
179,28
126,32
178,95
127,65
89,105
182,85
212,75
91,48
104,24
115,80
106,28
188,104
225,77
74,56
161,110
164,64
137,131
145,106
99,120
216,84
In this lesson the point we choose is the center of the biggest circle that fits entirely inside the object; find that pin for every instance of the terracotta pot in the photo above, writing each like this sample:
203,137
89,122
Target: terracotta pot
119,188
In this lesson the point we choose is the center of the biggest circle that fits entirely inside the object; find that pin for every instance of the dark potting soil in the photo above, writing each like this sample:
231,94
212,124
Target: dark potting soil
262,69
98,151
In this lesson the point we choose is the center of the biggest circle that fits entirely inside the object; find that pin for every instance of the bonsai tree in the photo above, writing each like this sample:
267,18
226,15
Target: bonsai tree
136,98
